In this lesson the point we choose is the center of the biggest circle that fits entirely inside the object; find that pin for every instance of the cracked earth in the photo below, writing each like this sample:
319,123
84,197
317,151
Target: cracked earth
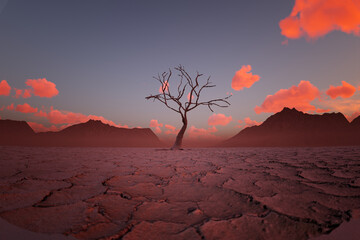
234,193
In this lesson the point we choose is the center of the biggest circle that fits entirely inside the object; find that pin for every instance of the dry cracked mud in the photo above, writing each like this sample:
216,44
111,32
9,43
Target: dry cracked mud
131,193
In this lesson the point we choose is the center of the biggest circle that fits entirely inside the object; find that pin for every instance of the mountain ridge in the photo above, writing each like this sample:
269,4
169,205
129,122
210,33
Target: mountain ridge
92,133
291,127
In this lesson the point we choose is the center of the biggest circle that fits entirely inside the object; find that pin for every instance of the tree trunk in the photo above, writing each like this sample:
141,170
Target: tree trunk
178,142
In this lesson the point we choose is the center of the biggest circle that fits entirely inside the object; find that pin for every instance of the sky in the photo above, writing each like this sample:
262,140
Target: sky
64,62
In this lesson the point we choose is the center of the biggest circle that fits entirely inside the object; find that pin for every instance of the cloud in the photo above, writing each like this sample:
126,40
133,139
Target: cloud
41,113
42,87
171,129
316,18
10,107
4,88
65,117
298,97
244,78
196,133
247,122
37,127
26,93
165,86
188,97
352,116
347,106
344,91
219,119
155,124
25,108
285,42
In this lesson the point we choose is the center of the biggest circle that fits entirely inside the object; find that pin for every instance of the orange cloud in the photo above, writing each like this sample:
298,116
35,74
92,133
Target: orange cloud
352,116
219,119
164,86
155,124
18,93
42,87
344,91
244,78
285,42
316,18
37,127
4,88
202,133
41,113
298,97
10,107
171,129
347,106
27,93
25,108
65,117
247,122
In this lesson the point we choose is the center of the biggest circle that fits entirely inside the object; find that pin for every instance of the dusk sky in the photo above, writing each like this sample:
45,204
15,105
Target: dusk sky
62,61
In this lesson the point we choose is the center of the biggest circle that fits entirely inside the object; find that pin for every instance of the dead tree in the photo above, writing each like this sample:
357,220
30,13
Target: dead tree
176,101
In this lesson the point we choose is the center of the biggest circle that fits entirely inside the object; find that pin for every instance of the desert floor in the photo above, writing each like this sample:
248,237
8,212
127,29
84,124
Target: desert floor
221,193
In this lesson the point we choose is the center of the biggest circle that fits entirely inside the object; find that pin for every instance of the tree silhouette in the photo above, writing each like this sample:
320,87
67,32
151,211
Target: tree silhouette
176,101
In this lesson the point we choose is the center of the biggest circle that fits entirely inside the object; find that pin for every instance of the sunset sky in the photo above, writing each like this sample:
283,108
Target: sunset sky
64,62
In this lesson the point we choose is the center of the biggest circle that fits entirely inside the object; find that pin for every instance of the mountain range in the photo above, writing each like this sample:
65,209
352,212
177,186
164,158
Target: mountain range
287,128
291,127
93,133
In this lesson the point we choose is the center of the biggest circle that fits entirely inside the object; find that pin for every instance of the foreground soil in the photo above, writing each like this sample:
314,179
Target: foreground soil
239,193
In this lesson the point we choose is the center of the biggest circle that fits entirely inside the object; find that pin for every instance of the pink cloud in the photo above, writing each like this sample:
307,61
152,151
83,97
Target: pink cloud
352,116
18,93
4,88
285,42
37,127
244,78
171,129
25,108
219,119
42,87
298,97
10,107
247,122
164,86
41,113
27,93
344,91
196,133
347,106
320,110
188,97
316,18
65,117
155,124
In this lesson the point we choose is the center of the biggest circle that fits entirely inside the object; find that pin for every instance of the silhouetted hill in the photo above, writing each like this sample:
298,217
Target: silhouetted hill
15,132
291,127
356,122
90,134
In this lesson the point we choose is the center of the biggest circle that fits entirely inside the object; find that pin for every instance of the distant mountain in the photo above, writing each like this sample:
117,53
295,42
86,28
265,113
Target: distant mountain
356,123
15,132
291,127
90,134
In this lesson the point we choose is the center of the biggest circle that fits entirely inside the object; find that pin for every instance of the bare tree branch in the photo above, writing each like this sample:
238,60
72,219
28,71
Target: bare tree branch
193,101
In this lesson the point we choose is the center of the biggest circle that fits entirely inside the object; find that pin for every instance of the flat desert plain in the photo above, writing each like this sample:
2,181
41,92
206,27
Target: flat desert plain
208,193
